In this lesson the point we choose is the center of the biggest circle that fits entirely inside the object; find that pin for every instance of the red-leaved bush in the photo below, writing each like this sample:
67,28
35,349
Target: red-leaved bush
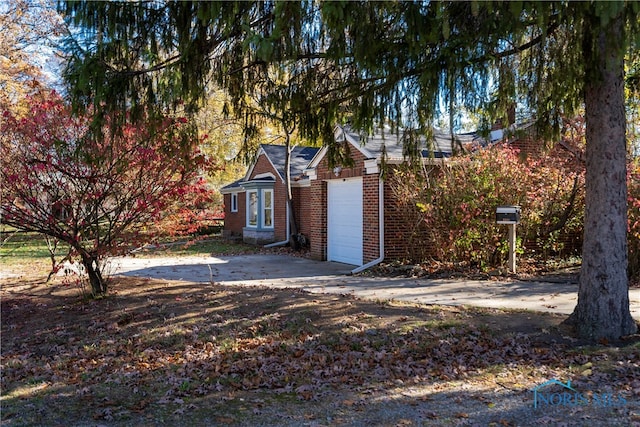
634,220
451,209
449,212
96,191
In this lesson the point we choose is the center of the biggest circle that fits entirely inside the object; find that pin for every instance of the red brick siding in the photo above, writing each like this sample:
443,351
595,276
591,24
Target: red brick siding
234,221
302,209
370,222
318,220
318,208
529,146
280,211
262,165
405,236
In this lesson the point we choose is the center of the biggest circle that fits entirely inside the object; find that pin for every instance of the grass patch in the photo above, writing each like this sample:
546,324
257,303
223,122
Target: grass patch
23,252
24,246
26,251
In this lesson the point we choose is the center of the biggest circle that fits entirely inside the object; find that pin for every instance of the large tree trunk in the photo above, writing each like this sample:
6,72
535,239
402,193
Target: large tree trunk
98,284
602,312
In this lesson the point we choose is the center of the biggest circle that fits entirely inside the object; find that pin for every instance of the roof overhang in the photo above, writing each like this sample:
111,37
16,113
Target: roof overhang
266,182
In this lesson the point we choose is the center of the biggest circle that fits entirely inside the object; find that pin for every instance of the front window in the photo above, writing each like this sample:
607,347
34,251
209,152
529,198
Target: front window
260,208
267,208
252,206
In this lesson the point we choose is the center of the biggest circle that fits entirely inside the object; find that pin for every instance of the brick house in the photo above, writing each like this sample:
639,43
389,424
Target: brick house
346,213
255,205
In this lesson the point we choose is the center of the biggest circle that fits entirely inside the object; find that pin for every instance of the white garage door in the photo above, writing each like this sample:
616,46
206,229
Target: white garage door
344,221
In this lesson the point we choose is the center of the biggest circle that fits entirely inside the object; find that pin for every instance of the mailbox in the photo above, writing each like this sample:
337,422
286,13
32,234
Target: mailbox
508,214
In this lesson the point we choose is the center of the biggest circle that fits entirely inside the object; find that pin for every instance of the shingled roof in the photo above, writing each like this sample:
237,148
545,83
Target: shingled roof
276,154
440,146
300,158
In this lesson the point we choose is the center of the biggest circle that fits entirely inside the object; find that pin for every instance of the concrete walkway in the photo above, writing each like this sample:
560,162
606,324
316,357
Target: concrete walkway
283,271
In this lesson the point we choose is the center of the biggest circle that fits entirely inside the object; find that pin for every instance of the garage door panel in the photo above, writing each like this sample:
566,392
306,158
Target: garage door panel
344,221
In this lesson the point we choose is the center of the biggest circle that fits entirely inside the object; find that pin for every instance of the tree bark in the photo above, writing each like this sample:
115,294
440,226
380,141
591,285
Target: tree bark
97,282
602,312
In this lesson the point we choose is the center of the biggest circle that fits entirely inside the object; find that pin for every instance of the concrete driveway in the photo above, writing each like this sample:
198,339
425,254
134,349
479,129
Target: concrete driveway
283,271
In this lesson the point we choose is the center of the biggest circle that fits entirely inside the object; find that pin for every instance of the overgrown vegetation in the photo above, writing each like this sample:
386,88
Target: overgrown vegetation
452,208
634,220
454,205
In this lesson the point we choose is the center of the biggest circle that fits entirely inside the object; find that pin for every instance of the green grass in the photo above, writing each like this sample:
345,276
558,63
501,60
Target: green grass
22,252
26,246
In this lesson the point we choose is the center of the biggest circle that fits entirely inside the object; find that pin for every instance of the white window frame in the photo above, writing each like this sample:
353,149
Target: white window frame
250,206
264,213
267,211
234,202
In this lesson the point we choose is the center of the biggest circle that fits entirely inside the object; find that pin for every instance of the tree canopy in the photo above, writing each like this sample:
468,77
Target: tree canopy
390,62
370,62
97,196
26,28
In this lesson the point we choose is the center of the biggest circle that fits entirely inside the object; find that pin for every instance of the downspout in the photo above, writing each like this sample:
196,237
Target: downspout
380,230
284,242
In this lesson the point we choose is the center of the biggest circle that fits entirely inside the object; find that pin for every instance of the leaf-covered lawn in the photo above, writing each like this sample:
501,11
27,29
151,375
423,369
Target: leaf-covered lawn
169,353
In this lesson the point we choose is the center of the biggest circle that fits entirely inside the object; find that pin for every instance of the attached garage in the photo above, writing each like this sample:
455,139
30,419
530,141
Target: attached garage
344,221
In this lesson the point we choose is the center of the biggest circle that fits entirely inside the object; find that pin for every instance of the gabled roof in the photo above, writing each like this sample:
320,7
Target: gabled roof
383,140
300,158
276,154
372,147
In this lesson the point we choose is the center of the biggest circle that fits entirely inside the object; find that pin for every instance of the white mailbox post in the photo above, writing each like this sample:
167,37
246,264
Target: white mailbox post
510,215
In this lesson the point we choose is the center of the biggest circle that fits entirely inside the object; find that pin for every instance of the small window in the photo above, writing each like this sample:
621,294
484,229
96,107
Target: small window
252,208
234,202
267,208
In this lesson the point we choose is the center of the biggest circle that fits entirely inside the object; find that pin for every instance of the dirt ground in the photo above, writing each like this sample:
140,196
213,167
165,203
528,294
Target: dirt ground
157,352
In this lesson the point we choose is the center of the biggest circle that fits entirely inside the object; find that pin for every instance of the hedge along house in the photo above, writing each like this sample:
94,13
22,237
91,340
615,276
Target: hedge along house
255,206
346,212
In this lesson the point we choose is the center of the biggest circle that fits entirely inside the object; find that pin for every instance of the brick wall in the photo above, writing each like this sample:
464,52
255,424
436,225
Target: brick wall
262,165
318,220
234,221
318,208
370,221
302,209
280,210
406,237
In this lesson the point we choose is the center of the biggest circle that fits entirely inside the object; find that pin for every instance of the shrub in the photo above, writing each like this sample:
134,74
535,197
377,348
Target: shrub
452,208
634,220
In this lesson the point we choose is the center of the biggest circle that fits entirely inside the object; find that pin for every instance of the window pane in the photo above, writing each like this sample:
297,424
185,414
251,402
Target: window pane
253,208
268,218
267,208
234,202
